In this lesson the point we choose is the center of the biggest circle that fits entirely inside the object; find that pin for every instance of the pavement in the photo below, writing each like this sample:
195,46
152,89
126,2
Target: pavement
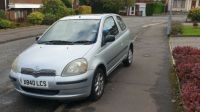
184,41
143,87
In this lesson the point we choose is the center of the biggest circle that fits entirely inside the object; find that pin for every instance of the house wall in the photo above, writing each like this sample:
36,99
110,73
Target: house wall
2,4
27,1
188,5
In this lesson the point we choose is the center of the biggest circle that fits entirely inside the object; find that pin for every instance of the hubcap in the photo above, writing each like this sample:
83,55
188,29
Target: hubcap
99,84
130,56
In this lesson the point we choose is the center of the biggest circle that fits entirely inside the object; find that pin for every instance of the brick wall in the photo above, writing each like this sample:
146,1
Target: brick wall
26,1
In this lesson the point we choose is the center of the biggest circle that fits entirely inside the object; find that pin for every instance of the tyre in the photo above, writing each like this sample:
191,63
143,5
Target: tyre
128,61
98,85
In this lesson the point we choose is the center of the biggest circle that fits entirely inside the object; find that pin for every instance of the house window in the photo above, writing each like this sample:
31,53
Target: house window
179,4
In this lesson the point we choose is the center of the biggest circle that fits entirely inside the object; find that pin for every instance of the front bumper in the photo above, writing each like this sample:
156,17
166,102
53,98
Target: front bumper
72,87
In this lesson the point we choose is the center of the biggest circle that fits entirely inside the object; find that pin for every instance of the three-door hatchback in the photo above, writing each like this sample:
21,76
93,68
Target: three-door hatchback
73,58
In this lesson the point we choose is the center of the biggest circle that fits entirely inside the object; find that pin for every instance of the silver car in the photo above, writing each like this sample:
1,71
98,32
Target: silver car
73,58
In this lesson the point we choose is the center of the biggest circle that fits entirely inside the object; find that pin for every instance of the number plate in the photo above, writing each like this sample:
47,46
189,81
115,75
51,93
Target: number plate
34,83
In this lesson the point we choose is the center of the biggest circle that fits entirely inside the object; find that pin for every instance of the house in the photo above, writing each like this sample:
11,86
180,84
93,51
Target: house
139,9
184,5
3,4
19,9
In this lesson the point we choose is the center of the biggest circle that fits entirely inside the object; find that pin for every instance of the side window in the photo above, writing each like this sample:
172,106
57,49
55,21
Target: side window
110,27
121,23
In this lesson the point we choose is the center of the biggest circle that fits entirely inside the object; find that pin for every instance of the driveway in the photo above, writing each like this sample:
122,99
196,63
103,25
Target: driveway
143,87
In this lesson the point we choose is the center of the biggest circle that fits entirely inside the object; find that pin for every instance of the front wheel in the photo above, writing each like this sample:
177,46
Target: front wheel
98,85
128,61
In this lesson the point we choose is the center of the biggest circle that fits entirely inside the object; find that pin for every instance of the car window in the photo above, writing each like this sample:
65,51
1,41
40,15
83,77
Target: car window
110,27
121,23
72,31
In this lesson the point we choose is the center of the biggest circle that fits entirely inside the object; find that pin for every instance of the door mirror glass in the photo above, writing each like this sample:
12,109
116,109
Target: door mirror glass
109,38
37,38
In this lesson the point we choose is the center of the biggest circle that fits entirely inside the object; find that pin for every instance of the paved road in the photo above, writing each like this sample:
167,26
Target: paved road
136,88
18,33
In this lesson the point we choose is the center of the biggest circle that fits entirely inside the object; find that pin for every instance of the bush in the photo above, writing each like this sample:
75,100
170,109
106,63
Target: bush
49,19
188,70
67,3
194,14
154,8
111,6
55,7
84,9
158,8
5,24
149,9
190,93
2,14
177,28
70,11
35,18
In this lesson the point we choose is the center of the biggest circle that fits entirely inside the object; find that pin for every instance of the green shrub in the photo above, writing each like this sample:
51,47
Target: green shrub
149,9
194,14
55,7
5,24
70,11
49,19
2,14
84,9
177,28
154,8
67,3
158,8
35,18
111,6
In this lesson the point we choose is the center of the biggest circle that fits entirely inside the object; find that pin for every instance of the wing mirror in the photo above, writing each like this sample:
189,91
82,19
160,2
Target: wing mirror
36,39
109,38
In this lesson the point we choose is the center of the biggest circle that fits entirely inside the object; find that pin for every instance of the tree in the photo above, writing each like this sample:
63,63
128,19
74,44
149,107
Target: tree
67,3
112,6
54,7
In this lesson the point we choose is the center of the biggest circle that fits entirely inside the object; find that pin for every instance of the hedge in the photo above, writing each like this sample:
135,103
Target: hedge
194,14
35,18
5,24
154,8
84,9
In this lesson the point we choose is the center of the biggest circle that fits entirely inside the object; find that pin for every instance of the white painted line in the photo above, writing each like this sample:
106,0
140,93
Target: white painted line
153,24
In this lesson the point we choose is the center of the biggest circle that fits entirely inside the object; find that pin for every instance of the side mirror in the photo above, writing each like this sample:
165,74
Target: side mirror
109,38
37,38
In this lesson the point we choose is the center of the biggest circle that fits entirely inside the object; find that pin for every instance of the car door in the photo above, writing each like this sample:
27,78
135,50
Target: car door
110,51
124,36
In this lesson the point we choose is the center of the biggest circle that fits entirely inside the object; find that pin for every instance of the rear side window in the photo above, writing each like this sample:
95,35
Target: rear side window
110,27
121,23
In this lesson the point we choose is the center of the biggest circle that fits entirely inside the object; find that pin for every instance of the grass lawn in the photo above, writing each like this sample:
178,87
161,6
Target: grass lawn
190,30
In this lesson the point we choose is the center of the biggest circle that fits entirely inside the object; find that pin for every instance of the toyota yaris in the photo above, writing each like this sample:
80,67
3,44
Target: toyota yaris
73,58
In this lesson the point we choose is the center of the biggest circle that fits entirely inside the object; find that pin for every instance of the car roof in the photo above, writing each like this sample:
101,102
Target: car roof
87,16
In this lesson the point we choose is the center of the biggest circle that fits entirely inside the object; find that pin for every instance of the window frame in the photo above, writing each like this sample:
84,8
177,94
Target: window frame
103,38
122,29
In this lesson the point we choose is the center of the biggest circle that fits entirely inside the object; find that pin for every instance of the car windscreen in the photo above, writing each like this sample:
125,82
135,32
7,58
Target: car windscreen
71,32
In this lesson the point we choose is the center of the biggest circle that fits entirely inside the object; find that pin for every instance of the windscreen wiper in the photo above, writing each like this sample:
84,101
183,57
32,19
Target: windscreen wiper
57,42
83,42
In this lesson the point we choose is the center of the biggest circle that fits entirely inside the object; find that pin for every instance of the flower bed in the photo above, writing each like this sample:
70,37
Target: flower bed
187,66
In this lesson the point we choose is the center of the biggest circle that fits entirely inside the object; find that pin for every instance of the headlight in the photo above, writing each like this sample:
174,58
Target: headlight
75,67
15,68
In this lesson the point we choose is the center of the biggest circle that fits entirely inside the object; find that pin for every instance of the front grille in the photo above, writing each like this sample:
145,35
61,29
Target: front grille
42,72
40,91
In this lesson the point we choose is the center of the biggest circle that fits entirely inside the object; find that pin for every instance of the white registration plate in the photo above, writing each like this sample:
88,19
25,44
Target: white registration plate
34,83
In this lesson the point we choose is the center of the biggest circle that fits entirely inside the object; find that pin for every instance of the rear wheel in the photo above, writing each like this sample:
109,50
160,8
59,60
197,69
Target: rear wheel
98,84
128,61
